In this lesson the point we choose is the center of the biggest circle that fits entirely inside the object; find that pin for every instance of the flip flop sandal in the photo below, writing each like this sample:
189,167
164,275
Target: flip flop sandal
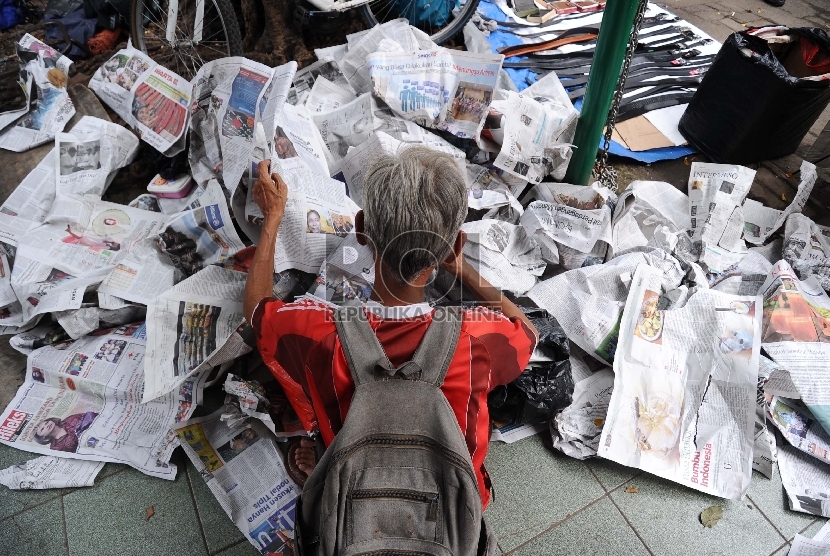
294,471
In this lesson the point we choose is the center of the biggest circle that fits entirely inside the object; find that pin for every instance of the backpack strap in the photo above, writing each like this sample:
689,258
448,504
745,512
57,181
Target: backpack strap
368,362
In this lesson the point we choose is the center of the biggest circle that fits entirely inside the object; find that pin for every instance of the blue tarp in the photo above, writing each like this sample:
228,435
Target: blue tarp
520,77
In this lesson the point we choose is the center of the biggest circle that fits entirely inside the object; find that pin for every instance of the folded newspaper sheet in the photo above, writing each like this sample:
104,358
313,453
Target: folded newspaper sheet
47,114
807,248
716,193
147,96
297,141
244,469
685,386
806,480
643,207
81,400
572,222
799,427
396,36
588,302
193,327
268,403
50,472
797,335
576,430
504,255
762,221
446,89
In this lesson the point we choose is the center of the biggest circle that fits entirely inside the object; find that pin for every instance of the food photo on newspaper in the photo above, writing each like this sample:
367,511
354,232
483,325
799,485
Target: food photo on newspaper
332,300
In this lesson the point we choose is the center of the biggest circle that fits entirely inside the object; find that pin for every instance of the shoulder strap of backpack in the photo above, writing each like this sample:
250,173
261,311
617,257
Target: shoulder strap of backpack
368,362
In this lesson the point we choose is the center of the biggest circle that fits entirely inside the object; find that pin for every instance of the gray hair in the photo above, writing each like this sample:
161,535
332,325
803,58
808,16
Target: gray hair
414,205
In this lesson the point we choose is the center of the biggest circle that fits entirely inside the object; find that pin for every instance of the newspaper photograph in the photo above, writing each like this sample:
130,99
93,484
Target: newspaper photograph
89,156
761,221
588,302
683,406
797,335
30,48
244,469
641,209
504,254
716,193
297,141
148,97
444,89
806,481
50,472
193,327
80,400
82,234
570,221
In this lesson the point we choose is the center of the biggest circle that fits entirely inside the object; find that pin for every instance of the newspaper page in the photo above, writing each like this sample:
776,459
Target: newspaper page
716,193
325,96
192,328
346,126
504,255
28,204
446,89
534,129
797,335
513,433
264,401
486,190
641,209
89,156
148,97
803,546
393,35
297,141
82,234
275,95
80,400
764,453
683,406
588,302
806,481
409,132
50,472
762,221
89,318
798,427
305,79
348,273
569,221
577,428
244,469
807,248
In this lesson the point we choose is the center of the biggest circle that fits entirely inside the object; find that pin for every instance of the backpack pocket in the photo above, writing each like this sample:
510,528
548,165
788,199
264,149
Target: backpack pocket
385,503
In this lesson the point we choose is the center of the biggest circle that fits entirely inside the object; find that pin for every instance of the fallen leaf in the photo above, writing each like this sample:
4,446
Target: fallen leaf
632,490
711,515
784,197
150,512
56,77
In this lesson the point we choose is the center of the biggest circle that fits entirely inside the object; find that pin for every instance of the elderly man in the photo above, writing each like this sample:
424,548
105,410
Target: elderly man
414,205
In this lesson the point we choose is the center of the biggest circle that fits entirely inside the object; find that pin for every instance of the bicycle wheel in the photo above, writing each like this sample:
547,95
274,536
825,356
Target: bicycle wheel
194,37
440,19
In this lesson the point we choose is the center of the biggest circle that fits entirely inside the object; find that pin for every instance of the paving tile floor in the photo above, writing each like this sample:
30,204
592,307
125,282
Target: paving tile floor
545,504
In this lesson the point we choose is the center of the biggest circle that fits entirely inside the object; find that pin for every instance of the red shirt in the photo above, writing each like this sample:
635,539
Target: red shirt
299,343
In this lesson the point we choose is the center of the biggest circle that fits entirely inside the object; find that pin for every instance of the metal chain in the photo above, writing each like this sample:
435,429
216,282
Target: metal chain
604,173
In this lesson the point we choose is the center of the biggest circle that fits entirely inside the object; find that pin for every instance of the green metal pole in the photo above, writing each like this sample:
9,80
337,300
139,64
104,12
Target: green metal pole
617,25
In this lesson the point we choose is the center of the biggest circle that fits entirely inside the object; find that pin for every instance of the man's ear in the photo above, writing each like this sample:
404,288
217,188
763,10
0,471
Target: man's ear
457,245
359,227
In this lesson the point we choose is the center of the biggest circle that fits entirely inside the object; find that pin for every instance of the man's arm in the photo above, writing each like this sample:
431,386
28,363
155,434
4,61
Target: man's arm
270,193
485,292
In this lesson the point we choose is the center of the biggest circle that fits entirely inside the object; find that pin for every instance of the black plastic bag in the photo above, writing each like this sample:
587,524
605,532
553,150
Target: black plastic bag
750,108
540,391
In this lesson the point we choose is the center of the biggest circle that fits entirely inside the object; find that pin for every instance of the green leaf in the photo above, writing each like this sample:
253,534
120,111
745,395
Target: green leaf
711,515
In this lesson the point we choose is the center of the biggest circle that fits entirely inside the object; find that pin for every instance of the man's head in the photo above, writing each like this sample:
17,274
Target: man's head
413,207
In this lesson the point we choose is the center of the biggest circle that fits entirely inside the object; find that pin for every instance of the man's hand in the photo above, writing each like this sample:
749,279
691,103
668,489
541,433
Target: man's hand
270,193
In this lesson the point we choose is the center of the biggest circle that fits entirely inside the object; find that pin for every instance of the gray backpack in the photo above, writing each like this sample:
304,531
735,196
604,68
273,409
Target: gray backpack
398,479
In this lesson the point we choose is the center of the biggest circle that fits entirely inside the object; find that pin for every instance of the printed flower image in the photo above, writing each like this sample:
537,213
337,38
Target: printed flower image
658,419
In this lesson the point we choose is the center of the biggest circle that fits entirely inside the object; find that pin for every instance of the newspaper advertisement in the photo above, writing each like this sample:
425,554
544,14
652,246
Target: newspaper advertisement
807,248
29,203
193,327
588,302
50,472
89,156
51,108
806,481
82,234
534,130
577,428
297,141
80,399
797,335
683,406
641,209
244,469
716,193
446,89
761,221
570,221
395,35
504,255
148,97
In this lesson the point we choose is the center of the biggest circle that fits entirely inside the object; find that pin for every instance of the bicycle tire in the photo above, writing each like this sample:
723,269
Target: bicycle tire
442,36
228,20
